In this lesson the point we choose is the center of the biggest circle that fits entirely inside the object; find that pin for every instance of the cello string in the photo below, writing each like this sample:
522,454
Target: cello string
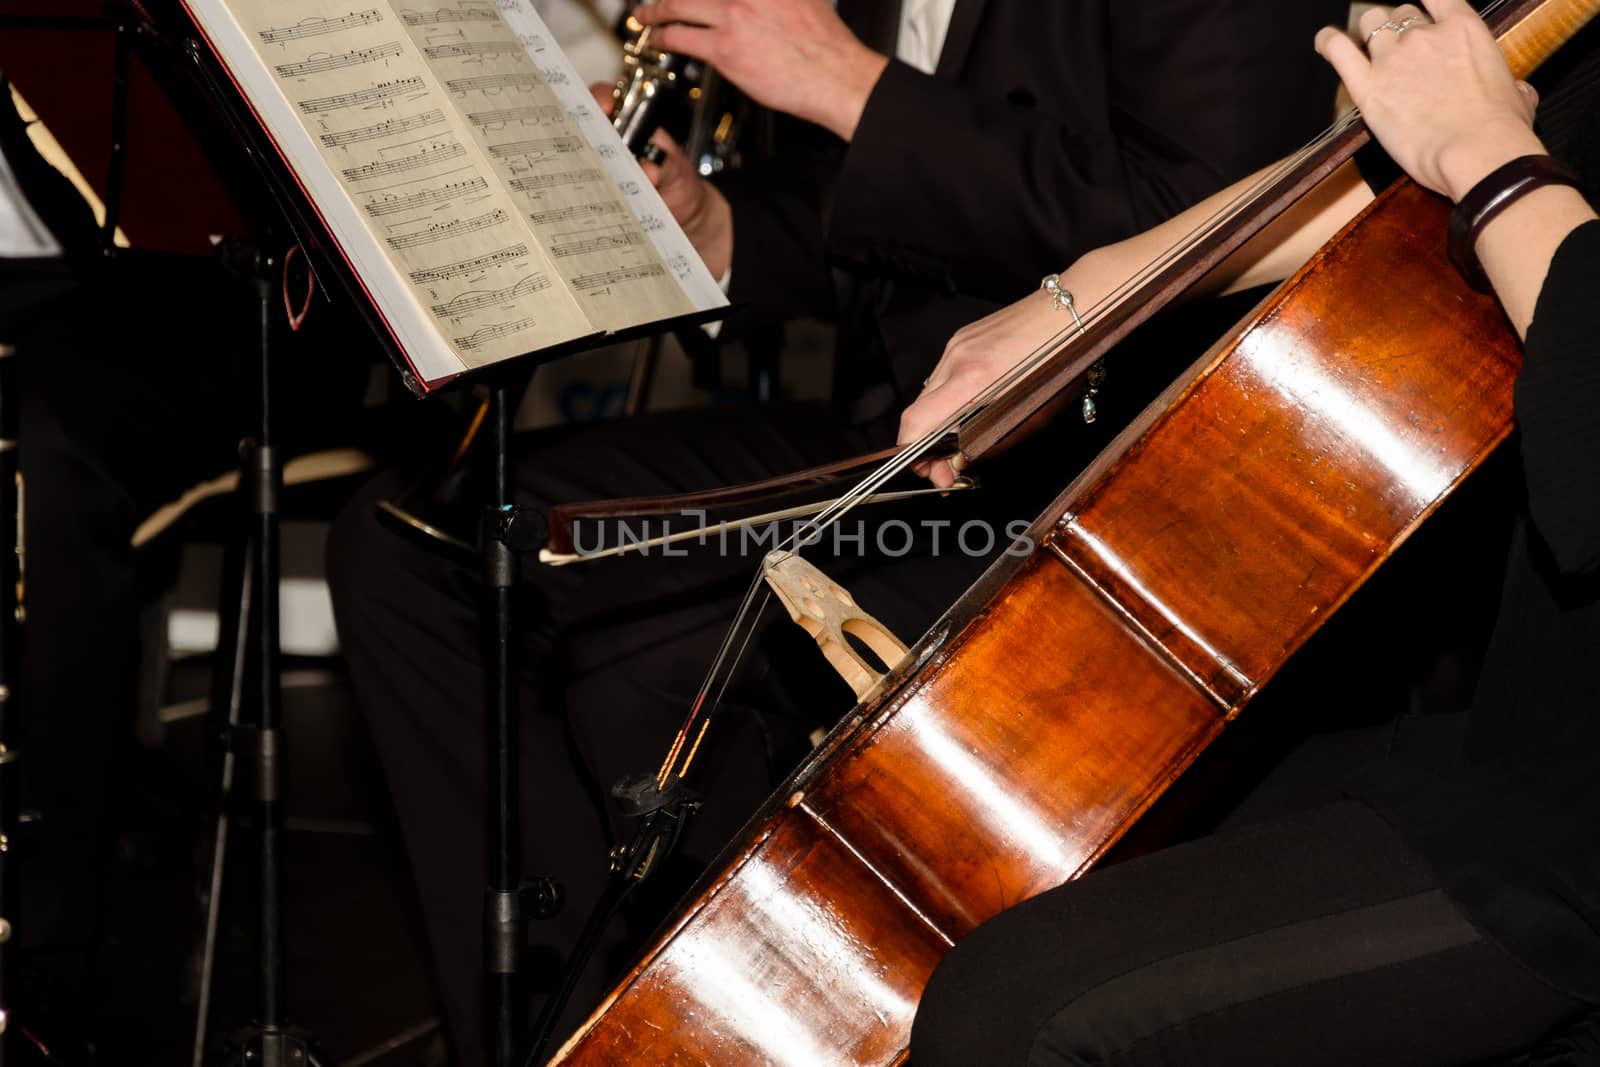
727,680
914,450
745,621
1203,230
740,618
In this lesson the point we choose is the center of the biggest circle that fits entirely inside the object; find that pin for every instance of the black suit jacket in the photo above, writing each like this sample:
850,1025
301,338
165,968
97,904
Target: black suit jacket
1048,129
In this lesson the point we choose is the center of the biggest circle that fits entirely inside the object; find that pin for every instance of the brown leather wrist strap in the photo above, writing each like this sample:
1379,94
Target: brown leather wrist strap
1501,188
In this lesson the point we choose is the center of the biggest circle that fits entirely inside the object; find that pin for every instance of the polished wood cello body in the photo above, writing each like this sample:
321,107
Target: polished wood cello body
1067,690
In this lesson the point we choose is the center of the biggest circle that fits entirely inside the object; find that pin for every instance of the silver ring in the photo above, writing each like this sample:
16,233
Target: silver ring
1408,22
1389,24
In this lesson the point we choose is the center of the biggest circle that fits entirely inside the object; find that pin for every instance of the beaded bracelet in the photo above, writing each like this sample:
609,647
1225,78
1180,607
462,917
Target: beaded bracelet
1061,298
1501,188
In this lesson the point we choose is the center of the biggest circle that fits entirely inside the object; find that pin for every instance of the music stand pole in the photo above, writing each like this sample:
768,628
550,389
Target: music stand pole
508,530
269,1042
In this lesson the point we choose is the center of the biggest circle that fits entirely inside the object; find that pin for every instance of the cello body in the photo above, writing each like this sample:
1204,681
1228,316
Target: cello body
1068,689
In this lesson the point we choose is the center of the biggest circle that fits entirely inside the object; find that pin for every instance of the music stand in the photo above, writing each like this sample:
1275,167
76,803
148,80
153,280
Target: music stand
507,532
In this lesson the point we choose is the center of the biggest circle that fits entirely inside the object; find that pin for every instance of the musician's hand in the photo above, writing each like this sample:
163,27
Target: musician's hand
697,205
792,55
978,355
1438,96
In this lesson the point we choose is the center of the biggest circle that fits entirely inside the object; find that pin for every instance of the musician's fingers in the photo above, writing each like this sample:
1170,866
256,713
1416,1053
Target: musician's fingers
693,41
1351,64
1370,20
696,12
665,164
664,141
1448,9
605,96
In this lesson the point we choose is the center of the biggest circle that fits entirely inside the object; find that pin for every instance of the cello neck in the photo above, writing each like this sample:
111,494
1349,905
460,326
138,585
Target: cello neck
1540,28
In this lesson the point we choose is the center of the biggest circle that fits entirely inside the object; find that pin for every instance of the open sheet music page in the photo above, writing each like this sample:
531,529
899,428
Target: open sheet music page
450,157
671,245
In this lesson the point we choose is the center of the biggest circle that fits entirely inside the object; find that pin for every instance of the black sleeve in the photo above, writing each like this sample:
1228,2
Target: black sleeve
1558,405
1172,101
779,267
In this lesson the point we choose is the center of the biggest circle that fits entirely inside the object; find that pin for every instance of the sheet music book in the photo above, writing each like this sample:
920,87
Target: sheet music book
458,161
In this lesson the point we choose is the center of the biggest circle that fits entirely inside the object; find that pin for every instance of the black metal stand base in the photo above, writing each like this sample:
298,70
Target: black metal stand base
270,1046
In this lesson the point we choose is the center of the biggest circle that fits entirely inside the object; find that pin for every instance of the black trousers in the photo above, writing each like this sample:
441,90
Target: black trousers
1314,938
612,655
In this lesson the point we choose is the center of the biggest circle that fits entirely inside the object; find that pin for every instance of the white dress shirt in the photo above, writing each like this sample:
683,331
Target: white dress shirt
21,231
923,25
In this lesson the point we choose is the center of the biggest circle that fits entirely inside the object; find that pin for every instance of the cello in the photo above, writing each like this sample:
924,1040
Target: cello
1052,705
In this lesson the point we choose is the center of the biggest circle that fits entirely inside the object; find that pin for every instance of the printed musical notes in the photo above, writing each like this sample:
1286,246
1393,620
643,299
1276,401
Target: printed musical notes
363,97
536,147
666,240
426,119
477,338
441,231
545,182
390,205
318,64
475,48
599,243
461,169
444,15
540,115
427,156
427,202
681,265
607,278
603,209
485,83
318,26
498,258
478,299
506,77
